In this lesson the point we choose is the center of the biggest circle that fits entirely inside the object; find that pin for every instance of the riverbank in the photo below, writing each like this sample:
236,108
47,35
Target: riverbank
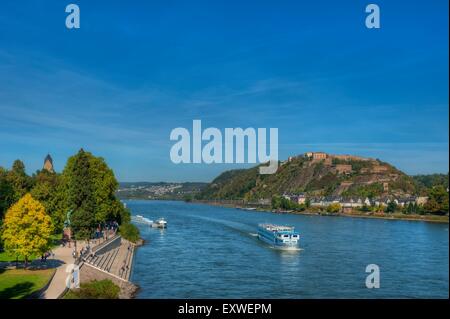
388,216
394,216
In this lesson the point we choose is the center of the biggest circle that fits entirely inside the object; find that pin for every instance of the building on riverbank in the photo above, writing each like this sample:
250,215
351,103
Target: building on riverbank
359,202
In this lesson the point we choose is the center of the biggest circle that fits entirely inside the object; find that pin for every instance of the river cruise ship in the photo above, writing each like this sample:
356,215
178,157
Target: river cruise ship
283,237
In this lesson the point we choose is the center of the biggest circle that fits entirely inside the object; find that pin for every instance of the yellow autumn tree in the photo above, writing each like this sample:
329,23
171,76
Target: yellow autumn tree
27,228
334,208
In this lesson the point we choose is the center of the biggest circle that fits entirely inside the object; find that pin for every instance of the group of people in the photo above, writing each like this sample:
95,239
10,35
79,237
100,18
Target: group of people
46,255
123,268
86,249
106,230
103,231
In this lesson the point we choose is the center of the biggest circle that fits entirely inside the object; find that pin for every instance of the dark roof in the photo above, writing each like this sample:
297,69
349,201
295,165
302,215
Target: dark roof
48,158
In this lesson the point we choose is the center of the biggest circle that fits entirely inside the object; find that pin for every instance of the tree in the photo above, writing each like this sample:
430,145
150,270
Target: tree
334,208
438,200
409,209
129,232
81,197
391,207
276,202
88,186
45,190
308,203
6,192
19,180
27,229
105,185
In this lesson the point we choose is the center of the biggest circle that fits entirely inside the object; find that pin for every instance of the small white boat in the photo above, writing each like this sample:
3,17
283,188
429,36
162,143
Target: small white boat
160,223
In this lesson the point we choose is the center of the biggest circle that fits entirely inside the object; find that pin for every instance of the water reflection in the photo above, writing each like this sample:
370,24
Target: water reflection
289,258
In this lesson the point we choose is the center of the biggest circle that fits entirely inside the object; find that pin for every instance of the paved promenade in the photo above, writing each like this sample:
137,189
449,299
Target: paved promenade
116,260
58,283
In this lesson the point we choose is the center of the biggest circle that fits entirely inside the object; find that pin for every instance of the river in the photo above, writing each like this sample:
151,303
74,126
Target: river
213,252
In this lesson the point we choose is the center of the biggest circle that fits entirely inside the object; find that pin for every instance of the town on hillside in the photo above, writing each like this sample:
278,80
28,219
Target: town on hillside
317,181
337,163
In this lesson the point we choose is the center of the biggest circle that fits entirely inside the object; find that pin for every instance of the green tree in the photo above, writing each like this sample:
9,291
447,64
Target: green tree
6,192
129,232
81,196
45,190
308,203
98,184
19,180
438,200
409,209
391,207
105,185
276,202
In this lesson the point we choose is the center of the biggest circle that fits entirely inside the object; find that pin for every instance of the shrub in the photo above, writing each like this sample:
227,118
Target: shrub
129,232
334,208
103,289
391,207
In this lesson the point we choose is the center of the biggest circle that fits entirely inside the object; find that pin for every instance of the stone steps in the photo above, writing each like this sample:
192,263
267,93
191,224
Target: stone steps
113,258
116,260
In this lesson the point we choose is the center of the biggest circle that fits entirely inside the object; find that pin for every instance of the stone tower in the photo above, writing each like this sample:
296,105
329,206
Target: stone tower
48,164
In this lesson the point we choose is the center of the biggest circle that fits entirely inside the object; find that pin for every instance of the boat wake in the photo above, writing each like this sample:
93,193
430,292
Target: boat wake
286,249
236,226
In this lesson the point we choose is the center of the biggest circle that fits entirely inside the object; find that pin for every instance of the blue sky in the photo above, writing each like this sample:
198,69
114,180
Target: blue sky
133,72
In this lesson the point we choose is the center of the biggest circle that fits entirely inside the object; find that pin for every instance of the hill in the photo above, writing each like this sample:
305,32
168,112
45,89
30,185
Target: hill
317,174
158,190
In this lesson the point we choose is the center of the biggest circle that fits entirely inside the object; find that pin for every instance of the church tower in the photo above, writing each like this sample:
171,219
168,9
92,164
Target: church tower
48,164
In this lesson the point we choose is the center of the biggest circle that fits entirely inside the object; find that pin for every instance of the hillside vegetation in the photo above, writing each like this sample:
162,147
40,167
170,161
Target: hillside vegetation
335,175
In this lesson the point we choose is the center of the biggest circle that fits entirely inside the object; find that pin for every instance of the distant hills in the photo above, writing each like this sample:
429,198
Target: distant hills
315,174
320,174
159,190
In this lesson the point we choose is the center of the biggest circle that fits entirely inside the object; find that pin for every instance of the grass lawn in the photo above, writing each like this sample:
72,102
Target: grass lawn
5,257
20,283
103,289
